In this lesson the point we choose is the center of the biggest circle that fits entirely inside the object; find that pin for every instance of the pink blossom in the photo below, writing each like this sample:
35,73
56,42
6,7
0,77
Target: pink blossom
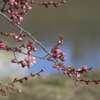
65,72
59,42
23,11
63,58
16,37
30,60
32,1
22,35
18,90
15,3
30,41
20,18
50,2
77,74
2,45
58,51
16,13
29,8
29,52
35,49
26,78
11,34
27,1
13,16
84,67
8,11
23,7
18,23
20,39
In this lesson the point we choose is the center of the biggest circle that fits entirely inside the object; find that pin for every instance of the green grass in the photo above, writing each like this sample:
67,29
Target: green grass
56,87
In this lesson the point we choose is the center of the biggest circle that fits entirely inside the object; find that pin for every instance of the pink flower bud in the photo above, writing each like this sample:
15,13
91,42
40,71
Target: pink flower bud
26,78
20,39
54,66
86,71
12,8
30,41
74,72
23,11
11,34
9,11
43,70
65,72
76,83
15,3
50,2
39,74
17,48
63,68
15,61
16,13
29,8
35,49
69,74
21,35
16,37
18,23
49,59
18,90
89,80
23,7
64,1
56,5
32,1
13,16
59,42
23,65
29,52
59,68
63,58
12,60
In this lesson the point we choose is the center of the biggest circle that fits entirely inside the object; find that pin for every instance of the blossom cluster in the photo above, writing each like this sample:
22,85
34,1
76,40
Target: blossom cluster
18,4
29,60
17,10
16,37
30,47
24,6
11,85
56,4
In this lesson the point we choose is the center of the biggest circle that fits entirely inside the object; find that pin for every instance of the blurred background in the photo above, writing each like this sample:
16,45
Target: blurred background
79,23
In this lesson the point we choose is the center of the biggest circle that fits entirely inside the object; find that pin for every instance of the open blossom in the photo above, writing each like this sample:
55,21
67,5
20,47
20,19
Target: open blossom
84,67
2,45
30,60
78,74
29,8
20,18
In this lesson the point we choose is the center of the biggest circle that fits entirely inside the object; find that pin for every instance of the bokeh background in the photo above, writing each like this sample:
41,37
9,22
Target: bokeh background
79,23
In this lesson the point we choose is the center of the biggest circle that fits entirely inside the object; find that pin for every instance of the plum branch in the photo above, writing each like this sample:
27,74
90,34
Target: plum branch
17,9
